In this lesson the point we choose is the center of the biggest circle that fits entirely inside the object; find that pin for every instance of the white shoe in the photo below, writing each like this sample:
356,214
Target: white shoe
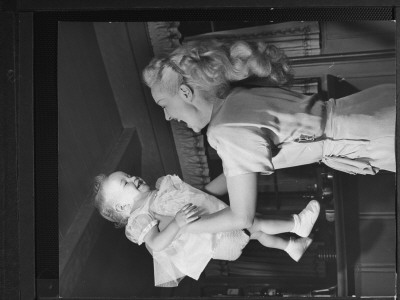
305,220
297,247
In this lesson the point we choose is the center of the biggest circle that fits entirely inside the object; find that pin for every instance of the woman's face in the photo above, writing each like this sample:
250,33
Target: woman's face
185,106
124,190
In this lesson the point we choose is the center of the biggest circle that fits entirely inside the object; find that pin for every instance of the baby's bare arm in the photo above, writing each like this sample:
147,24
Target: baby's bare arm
158,240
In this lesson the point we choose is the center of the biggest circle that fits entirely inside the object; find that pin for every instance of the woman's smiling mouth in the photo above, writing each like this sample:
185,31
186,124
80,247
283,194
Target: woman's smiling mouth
139,183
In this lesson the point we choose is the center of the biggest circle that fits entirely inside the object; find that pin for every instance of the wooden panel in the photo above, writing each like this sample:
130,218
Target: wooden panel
362,82
377,235
355,36
360,72
377,193
373,280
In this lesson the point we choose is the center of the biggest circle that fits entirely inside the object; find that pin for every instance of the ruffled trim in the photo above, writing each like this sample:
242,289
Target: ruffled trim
230,245
146,230
167,182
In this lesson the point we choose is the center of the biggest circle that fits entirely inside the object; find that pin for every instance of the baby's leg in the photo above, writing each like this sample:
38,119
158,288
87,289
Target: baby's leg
300,224
270,241
270,225
294,247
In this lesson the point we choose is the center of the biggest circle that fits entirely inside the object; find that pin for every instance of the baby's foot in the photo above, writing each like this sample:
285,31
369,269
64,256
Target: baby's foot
304,221
297,247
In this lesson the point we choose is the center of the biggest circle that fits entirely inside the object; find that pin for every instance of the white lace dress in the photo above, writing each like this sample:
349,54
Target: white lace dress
188,254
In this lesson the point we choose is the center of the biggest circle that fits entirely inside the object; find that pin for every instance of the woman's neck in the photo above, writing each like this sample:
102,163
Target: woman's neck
217,106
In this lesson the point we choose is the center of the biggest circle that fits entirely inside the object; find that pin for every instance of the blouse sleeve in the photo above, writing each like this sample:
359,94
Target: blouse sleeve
244,149
138,227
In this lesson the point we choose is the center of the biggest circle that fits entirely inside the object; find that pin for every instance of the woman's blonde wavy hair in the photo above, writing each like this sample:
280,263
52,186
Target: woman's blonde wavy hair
102,204
211,66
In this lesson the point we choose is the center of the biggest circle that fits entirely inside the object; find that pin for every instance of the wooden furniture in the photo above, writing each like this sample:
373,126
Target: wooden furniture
365,225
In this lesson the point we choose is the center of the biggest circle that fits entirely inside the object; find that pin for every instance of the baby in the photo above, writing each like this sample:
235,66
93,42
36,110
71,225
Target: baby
158,218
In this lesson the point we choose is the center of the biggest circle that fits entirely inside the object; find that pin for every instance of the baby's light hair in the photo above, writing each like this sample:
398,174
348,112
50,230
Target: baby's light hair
102,204
211,66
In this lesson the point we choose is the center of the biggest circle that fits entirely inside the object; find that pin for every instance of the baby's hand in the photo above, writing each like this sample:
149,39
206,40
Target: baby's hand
186,215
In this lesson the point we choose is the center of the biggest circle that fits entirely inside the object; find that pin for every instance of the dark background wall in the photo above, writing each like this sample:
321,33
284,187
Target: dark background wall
89,122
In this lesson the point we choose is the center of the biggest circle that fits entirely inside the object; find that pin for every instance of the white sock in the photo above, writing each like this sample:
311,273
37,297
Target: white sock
305,220
297,247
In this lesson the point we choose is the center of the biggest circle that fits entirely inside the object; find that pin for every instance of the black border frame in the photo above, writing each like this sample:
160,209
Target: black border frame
24,150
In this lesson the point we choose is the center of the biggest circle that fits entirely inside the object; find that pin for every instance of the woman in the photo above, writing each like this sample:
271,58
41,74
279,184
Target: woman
257,130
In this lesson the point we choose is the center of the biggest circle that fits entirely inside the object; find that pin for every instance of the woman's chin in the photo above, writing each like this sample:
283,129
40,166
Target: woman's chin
195,129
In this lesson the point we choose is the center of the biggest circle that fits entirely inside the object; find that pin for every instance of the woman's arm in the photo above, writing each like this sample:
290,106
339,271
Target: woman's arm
217,187
242,191
158,240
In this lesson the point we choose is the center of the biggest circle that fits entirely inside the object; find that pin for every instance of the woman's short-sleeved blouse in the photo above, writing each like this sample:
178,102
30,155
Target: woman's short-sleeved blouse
247,124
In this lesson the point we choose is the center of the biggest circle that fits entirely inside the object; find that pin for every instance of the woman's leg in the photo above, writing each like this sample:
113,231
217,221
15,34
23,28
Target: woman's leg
294,247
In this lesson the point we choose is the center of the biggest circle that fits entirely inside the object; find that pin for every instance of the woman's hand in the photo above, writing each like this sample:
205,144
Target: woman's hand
187,214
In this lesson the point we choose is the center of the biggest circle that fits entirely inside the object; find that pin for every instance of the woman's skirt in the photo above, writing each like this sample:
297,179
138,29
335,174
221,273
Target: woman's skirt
360,131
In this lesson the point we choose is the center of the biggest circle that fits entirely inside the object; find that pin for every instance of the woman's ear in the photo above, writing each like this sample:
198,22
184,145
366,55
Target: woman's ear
186,93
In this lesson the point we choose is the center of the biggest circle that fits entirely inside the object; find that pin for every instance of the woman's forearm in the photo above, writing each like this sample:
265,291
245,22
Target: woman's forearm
217,187
239,215
223,220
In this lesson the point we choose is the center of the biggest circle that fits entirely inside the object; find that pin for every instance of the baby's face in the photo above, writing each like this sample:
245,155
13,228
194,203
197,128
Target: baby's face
124,189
